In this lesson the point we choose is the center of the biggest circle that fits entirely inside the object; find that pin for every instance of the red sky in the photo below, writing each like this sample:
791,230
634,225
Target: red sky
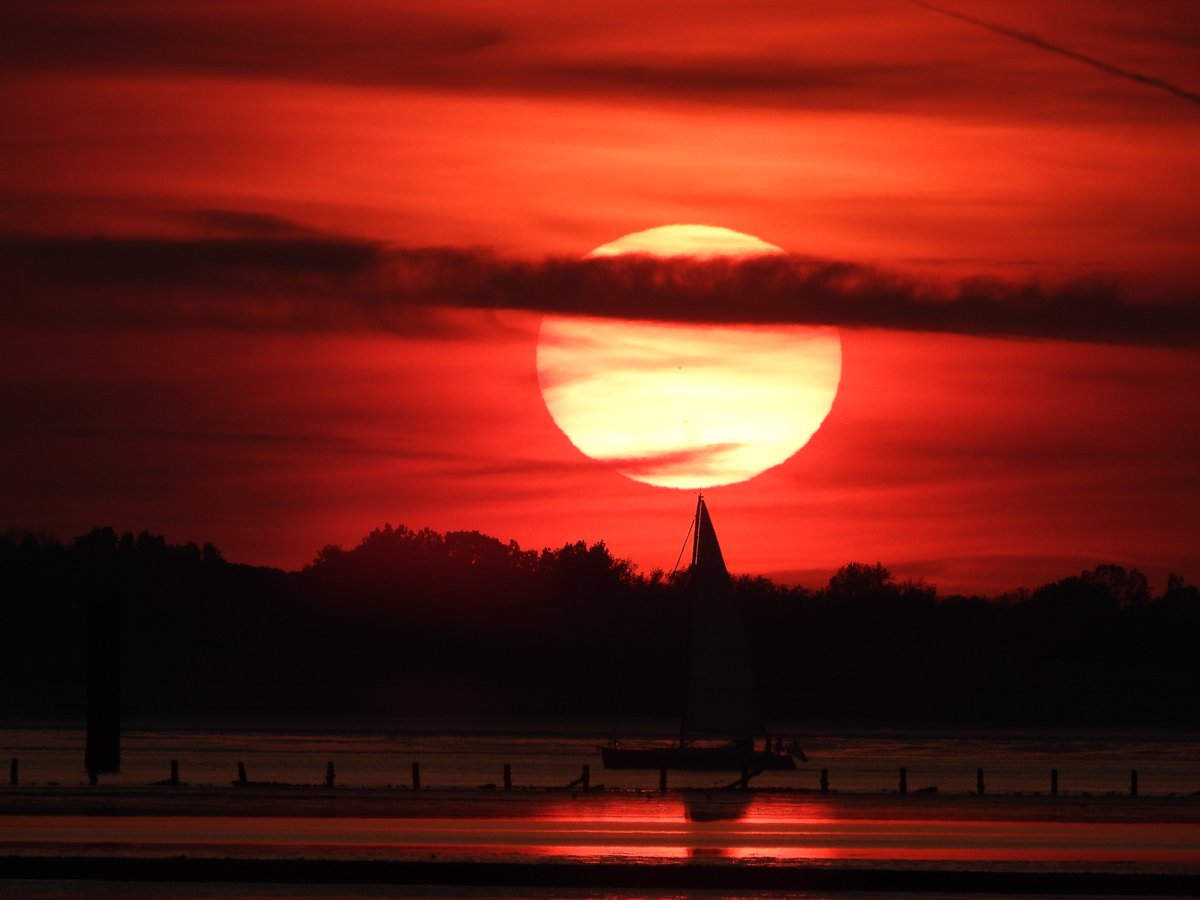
239,354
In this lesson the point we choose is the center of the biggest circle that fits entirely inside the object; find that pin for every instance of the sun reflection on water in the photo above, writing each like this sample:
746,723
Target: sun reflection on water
732,827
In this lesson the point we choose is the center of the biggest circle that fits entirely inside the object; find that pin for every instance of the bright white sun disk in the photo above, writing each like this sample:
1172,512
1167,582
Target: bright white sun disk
687,406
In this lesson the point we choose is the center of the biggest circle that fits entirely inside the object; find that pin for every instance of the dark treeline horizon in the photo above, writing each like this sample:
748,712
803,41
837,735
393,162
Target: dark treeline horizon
425,623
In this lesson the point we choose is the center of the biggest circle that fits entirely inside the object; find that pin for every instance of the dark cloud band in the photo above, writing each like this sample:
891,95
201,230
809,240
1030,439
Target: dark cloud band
463,48
313,284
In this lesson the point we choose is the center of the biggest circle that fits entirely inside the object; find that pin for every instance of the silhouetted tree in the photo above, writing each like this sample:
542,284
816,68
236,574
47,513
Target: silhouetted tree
414,620
1128,589
860,581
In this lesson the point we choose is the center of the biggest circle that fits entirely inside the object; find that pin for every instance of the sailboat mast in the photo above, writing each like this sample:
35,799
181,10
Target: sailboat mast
687,650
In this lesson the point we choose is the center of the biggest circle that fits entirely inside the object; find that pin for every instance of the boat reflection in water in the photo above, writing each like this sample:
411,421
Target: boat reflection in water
716,806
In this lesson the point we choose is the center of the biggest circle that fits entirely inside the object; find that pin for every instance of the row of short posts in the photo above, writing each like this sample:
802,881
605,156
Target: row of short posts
980,787
584,780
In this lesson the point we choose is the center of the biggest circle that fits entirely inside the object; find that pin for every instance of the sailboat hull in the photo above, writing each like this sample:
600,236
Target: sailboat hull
695,759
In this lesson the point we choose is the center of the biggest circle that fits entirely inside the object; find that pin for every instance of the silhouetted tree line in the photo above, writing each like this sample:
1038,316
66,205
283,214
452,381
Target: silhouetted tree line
423,622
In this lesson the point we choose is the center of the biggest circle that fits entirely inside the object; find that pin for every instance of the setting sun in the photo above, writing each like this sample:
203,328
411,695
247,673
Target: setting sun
687,406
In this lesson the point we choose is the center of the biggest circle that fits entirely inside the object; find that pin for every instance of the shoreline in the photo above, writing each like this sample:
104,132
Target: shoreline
688,875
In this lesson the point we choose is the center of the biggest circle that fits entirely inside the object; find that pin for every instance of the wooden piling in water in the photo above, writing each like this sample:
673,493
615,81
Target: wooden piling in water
1133,782
12,771
662,780
416,776
903,780
1054,782
329,774
174,771
241,779
586,779
507,777
979,782
102,751
824,781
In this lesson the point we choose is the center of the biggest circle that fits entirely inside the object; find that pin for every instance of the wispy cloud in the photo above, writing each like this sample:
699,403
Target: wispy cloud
236,223
707,458
1042,44
726,54
336,284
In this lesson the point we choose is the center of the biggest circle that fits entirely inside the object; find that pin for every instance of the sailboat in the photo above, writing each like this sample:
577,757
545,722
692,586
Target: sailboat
721,723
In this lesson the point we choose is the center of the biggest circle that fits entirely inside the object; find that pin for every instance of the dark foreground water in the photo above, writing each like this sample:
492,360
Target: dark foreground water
543,840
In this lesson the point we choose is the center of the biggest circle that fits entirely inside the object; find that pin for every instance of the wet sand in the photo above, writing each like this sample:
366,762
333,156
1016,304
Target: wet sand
611,876
621,840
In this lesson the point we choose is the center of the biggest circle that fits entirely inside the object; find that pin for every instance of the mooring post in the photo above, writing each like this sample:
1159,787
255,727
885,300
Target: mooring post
979,781
1054,782
1133,782
903,780
824,781
416,776
241,773
12,771
329,774
662,780
102,751
587,777
174,771
507,777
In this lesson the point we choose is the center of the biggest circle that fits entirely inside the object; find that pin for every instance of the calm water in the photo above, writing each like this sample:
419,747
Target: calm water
864,824
551,754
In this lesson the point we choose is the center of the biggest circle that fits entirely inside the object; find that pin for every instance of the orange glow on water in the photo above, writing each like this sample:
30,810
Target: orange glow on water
622,831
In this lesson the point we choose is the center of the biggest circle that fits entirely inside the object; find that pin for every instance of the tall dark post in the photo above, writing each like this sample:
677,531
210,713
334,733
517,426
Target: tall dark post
587,777
903,780
1133,782
824,781
979,781
1054,782
329,774
103,750
174,771
662,780
507,776
416,776
12,771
